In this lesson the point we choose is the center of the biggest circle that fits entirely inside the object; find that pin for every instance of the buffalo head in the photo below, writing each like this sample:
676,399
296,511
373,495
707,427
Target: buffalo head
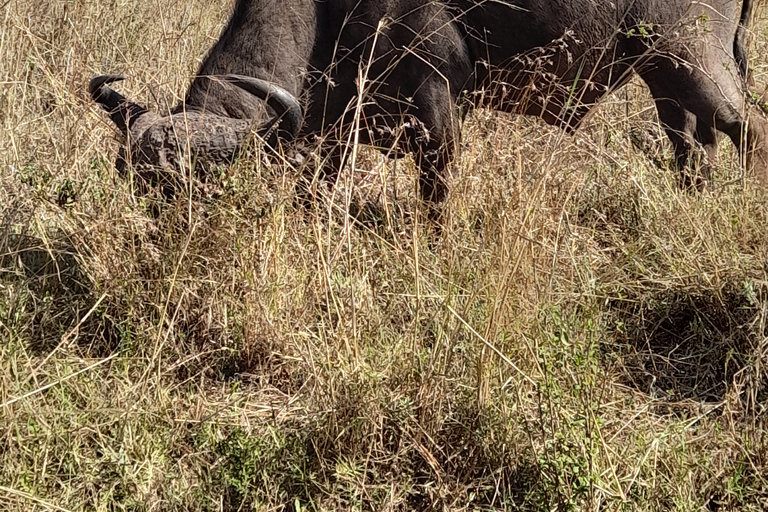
191,137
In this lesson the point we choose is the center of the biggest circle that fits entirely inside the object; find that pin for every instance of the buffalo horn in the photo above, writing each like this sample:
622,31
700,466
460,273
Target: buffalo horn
289,116
121,111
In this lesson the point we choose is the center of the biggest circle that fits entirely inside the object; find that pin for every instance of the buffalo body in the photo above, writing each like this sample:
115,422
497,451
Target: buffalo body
399,71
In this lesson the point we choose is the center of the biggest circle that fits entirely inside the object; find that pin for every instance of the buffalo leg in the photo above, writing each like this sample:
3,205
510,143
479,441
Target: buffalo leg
715,95
685,130
431,139
706,135
707,138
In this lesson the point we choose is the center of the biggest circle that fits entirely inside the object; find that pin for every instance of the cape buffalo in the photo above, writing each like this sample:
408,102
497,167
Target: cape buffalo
400,69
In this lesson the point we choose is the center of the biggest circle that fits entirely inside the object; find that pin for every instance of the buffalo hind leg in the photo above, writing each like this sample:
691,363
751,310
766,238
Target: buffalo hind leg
680,127
715,95
757,148
686,132
706,136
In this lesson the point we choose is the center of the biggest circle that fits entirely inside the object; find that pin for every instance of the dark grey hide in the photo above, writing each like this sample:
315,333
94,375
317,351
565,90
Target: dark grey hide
413,62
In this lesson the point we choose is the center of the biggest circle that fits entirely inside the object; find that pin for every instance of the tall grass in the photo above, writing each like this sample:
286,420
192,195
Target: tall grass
582,335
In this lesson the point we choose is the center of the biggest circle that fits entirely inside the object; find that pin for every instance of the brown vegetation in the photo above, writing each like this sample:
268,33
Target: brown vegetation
582,335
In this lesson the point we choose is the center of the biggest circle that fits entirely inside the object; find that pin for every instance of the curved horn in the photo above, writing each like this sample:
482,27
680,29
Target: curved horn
122,111
289,115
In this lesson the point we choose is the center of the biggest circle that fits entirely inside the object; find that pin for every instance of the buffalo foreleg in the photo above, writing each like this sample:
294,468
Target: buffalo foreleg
430,137
686,132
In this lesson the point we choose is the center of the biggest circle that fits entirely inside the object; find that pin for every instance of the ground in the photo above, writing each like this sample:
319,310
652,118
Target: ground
581,334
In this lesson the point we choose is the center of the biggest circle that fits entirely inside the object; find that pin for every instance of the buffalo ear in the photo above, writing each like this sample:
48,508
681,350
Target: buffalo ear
122,111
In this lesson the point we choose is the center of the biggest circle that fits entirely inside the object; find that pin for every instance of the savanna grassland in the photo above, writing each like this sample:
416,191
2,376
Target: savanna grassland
582,334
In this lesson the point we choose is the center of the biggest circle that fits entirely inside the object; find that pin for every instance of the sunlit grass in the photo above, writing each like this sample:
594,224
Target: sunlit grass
581,335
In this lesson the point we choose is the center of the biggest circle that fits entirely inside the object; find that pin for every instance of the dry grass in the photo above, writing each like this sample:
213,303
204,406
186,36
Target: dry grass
242,354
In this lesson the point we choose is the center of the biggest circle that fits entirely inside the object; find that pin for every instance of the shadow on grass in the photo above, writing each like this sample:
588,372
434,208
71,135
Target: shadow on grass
50,296
690,342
